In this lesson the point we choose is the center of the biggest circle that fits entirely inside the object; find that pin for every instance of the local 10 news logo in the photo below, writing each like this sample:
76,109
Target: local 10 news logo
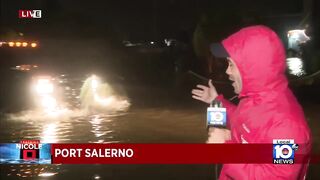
216,116
283,151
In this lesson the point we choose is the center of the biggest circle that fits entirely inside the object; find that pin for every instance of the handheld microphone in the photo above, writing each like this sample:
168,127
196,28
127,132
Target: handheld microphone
216,117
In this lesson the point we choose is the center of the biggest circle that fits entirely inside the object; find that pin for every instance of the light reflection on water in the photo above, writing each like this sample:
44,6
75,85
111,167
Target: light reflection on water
97,129
30,125
28,171
49,133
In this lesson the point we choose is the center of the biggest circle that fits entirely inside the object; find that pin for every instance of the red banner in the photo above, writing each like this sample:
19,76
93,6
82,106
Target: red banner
166,153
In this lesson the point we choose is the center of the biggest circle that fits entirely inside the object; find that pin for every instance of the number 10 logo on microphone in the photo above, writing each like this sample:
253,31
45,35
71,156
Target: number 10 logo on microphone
216,117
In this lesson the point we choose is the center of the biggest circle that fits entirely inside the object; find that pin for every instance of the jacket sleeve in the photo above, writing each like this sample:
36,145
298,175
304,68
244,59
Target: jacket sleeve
280,130
230,108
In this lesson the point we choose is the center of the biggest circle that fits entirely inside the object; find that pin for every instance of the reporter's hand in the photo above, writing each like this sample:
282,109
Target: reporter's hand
218,135
204,93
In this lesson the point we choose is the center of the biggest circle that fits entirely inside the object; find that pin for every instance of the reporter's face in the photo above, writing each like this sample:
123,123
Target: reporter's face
234,75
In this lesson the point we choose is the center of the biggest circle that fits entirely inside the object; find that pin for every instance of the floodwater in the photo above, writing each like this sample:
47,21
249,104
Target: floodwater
155,115
161,112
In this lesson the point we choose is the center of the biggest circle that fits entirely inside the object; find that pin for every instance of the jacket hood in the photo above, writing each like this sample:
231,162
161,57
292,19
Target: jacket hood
260,57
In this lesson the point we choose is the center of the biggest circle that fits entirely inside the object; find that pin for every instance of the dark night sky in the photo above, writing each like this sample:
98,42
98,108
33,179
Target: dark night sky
130,19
